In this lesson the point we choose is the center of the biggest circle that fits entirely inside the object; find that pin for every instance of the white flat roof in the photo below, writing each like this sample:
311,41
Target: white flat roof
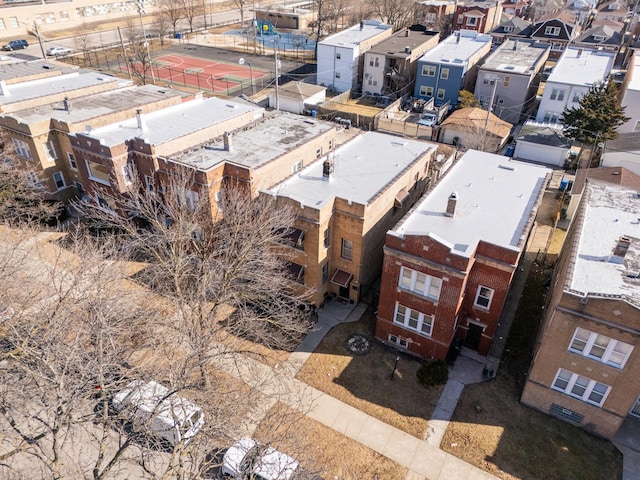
257,145
634,72
353,36
361,169
55,85
581,66
452,51
611,211
171,122
496,196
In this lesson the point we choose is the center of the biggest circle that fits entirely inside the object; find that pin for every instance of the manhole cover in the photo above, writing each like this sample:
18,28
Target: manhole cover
359,344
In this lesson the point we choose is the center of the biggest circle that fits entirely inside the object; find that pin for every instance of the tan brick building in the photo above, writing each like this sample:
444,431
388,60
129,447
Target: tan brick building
586,367
346,201
448,264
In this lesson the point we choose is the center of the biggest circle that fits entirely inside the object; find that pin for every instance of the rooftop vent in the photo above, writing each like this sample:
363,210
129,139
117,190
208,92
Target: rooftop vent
622,247
451,204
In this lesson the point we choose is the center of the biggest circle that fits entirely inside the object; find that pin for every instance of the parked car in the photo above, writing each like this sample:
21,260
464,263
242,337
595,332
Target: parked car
16,45
154,410
247,459
53,51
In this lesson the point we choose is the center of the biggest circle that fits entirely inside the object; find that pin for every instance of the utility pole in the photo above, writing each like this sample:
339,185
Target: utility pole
277,78
490,106
35,28
124,53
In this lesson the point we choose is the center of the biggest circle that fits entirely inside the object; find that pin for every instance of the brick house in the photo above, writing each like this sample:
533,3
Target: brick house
435,15
481,16
586,367
448,264
345,203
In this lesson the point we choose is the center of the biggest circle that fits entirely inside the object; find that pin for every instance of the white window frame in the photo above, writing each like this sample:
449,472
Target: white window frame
579,386
325,273
483,293
33,179
429,70
419,283
441,93
585,342
430,17
61,180
21,148
426,91
127,174
413,320
326,237
296,167
73,165
552,31
557,46
346,249
337,74
50,150
399,341
87,163
444,74
338,55
472,21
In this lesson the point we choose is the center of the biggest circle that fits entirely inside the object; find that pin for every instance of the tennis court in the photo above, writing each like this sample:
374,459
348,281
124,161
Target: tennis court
216,76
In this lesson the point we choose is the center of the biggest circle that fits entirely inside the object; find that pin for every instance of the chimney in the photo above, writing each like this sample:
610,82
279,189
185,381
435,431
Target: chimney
457,37
407,33
515,44
451,204
67,104
361,25
622,247
227,142
139,119
327,168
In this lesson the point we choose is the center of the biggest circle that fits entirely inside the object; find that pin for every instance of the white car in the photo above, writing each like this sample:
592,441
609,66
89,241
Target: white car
53,51
248,459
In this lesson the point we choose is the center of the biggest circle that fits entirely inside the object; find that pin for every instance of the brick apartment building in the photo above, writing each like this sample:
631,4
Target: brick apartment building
481,16
345,203
586,367
448,264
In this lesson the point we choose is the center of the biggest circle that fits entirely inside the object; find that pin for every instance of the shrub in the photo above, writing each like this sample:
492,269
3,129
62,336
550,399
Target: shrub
433,373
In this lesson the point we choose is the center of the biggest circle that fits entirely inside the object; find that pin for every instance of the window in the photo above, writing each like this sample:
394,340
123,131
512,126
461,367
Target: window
187,197
33,179
413,320
326,237
325,273
576,97
506,80
489,79
580,387
429,70
420,283
319,152
377,62
98,173
2,25
557,47
600,348
338,56
552,31
58,179
337,74
219,204
401,342
296,166
551,117
440,95
13,21
508,29
371,61
148,181
459,19
483,297
557,94
472,21
127,174
444,73
347,249
430,17
21,148
64,15
426,91
72,161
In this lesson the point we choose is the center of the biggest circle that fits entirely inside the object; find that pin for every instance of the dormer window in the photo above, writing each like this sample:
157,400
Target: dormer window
552,31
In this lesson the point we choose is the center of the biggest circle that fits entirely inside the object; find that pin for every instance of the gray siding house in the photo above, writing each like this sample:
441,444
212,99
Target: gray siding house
508,79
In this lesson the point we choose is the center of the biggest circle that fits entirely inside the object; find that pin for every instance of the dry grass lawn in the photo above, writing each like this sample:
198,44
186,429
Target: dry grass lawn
364,381
512,441
323,451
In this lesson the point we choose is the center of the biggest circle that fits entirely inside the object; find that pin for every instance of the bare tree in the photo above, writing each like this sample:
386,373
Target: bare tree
173,11
242,6
82,43
191,10
398,13
224,272
161,25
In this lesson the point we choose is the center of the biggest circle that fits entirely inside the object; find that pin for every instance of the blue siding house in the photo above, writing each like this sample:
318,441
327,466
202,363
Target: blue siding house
451,66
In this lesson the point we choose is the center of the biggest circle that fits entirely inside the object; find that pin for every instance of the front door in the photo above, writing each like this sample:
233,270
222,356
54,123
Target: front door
344,291
473,336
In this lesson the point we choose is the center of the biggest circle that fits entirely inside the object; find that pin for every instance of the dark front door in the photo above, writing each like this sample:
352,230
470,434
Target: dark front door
344,291
473,336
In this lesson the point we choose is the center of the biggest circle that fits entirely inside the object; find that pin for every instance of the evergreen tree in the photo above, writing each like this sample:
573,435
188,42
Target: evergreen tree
597,116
